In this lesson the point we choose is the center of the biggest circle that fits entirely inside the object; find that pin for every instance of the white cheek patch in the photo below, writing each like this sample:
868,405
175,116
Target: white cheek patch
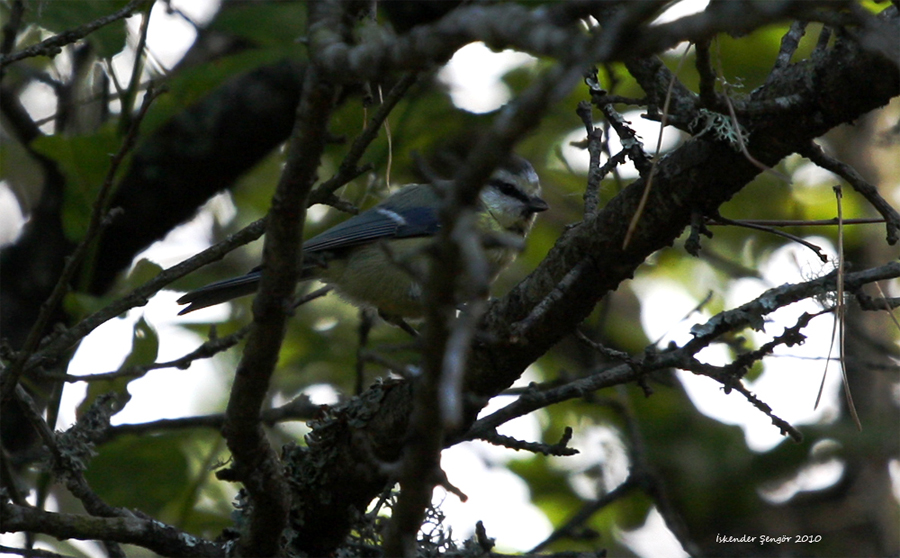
492,204
392,215
415,291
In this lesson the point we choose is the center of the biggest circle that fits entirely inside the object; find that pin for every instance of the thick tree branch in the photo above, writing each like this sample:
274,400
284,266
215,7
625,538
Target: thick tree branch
199,152
515,26
256,464
457,255
701,175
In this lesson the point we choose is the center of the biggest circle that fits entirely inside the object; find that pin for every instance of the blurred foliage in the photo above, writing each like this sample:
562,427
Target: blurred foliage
158,464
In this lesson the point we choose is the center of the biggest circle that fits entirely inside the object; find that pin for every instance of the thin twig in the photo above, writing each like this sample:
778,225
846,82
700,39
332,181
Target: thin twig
635,219
208,349
390,142
401,369
559,449
299,408
888,306
818,156
137,70
66,465
366,320
750,314
735,123
585,513
718,219
559,290
52,46
794,222
61,342
839,317
595,150
348,169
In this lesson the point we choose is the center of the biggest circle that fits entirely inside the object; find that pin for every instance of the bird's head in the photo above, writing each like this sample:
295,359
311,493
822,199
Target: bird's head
512,196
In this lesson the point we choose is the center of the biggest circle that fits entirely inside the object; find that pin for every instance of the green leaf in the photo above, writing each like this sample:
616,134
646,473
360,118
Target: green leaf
144,350
191,84
631,512
78,305
263,23
145,345
143,271
21,172
84,160
144,472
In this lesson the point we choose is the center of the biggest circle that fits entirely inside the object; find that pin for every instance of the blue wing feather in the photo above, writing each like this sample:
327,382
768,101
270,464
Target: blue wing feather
377,223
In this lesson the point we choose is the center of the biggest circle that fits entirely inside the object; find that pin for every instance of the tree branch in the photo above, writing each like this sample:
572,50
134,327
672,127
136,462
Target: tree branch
751,314
815,154
255,462
699,176
146,533
299,408
514,26
52,46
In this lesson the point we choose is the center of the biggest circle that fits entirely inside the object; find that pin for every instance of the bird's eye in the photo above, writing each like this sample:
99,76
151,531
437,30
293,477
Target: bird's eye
506,188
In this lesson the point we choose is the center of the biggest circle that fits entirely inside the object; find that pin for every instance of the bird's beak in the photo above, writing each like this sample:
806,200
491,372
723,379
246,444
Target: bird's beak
536,204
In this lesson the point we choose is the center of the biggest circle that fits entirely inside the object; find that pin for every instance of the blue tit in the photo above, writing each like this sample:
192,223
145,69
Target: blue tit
376,259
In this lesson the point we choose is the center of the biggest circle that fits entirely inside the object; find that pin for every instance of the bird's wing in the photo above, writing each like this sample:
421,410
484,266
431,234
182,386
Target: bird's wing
374,224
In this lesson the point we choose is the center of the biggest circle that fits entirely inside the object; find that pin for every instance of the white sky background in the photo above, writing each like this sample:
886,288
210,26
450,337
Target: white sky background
497,496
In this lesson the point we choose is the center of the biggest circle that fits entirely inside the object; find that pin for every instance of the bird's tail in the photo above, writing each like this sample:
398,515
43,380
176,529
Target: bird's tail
222,291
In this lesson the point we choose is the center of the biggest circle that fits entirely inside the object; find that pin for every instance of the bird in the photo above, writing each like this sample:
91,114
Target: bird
376,259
